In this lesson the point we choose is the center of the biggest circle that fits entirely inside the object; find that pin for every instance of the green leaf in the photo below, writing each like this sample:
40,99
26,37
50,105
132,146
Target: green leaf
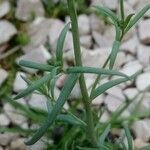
104,135
104,87
34,65
137,17
94,71
65,92
129,137
106,12
128,20
53,82
86,148
71,120
114,53
35,85
60,44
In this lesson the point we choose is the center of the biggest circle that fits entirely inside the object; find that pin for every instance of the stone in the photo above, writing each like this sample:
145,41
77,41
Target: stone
17,144
86,41
54,33
130,45
139,144
38,32
143,81
131,93
143,55
101,40
131,68
105,117
144,32
27,9
7,31
19,83
1,148
14,114
98,100
4,8
84,24
38,101
3,76
96,24
116,92
6,138
4,120
112,103
141,129
39,55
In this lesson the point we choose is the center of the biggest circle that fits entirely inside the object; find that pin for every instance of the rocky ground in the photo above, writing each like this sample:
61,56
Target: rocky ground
96,37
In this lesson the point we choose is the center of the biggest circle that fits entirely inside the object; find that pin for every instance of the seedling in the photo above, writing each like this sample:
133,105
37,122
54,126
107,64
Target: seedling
45,85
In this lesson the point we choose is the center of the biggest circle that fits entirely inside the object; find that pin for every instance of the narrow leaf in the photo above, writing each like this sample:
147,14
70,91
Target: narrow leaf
65,92
106,12
34,65
94,71
137,17
35,85
60,44
146,148
128,20
104,135
114,53
104,87
129,137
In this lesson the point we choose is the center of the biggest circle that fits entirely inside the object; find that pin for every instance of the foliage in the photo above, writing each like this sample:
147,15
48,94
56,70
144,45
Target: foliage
76,127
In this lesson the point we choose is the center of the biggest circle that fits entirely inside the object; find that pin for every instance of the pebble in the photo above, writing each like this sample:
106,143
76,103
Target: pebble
131,68
39,55
143,55
4,120
86,41
96,24
143,81
38,101
131,93
130,45
144,32
7,31
19,83
141,129
6,138
4,8
3,76
84,24
139,144
1,148
38,32
14,114
17,144
27,9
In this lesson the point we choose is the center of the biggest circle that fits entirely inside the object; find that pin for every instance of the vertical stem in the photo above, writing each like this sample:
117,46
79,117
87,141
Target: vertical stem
78,61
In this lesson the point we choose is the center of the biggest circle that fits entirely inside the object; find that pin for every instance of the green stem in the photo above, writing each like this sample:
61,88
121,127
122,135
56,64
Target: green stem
78,61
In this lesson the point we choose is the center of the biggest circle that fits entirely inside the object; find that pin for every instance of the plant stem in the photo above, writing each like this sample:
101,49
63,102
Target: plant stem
78,61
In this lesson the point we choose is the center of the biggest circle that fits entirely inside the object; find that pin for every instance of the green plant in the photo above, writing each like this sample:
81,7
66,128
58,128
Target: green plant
96,135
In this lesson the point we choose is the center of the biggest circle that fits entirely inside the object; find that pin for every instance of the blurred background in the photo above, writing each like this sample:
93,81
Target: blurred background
29,30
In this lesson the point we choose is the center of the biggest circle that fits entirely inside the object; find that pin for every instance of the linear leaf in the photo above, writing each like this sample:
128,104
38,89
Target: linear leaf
127,20
146,148
60,44
35,85
106,12
71,120
104,135
104,87
129,137
65,92
137,17
34,65
95,71
114,53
